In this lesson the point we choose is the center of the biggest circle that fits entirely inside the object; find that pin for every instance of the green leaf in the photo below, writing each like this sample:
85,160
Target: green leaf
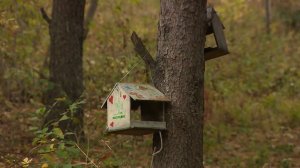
31,128
61,146
58,133
40,111
62,153
64,117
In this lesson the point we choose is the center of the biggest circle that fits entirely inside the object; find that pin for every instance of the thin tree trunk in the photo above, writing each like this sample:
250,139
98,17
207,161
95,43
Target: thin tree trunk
268,15
179,73
65,64
2,72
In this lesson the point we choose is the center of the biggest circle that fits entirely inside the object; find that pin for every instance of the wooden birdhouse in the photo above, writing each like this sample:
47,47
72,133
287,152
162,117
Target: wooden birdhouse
135,109
215,26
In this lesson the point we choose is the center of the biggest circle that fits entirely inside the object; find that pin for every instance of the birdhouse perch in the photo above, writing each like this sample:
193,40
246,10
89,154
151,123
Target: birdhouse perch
135,109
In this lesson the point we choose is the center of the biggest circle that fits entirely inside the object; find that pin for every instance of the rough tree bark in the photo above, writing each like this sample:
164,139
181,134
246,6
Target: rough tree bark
87,21
66,29
179,73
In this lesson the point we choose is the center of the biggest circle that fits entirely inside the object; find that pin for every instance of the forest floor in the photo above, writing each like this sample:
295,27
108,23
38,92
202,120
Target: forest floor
237,147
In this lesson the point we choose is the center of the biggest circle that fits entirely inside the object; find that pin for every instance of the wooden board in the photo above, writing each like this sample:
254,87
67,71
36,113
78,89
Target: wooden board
118,110
216,27
140,128
142,92
211,53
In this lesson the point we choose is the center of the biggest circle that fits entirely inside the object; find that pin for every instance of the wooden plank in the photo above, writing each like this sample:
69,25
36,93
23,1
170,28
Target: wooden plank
118,110
134,131
211,53
143,92
219,33
155,125
217,27
140,128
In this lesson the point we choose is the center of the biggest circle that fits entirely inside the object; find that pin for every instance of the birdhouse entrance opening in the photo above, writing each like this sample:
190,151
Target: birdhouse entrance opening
146,111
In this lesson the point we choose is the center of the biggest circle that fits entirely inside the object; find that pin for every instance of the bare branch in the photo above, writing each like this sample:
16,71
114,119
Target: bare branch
142,51
45,16
89,16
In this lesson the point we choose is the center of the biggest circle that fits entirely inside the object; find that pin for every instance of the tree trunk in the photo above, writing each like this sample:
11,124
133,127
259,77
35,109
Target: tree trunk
268,15
65,64
179,73
2,72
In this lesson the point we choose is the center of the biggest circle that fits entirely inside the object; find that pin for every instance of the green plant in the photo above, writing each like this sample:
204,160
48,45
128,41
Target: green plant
52,145
285,163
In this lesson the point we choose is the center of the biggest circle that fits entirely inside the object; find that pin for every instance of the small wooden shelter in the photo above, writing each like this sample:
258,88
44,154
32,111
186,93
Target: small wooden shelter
135,109
215,26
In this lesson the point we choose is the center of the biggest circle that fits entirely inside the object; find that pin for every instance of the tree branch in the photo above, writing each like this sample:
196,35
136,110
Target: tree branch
142,51
45,16
89,16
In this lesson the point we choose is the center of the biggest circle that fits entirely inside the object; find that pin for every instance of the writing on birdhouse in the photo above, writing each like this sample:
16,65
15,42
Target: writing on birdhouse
135,109
216,27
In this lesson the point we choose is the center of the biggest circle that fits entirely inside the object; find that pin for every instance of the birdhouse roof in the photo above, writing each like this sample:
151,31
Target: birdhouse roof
142,92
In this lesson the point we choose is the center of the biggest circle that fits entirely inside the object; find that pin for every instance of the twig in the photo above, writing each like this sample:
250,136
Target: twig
106,144
110,147
88,149
86,156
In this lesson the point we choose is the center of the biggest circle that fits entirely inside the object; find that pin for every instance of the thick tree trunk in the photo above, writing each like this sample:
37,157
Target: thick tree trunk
65,66
179,73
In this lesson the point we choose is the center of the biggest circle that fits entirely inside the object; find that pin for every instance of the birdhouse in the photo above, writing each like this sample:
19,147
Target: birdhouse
215,26
135,109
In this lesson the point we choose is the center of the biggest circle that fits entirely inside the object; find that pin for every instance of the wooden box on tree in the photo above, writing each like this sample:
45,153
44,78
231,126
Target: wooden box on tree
135,109
215,27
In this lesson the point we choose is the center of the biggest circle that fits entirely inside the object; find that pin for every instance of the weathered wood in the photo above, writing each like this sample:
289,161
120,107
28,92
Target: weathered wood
141,128
139,92
211,53
122,102
218,33
216,27
142,51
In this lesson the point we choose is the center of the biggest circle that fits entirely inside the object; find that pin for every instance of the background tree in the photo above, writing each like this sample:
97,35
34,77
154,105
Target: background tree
66,30
268,15
179,73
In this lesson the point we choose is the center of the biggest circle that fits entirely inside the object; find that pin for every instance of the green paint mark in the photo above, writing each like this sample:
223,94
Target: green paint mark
120,111
119,107
119,117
